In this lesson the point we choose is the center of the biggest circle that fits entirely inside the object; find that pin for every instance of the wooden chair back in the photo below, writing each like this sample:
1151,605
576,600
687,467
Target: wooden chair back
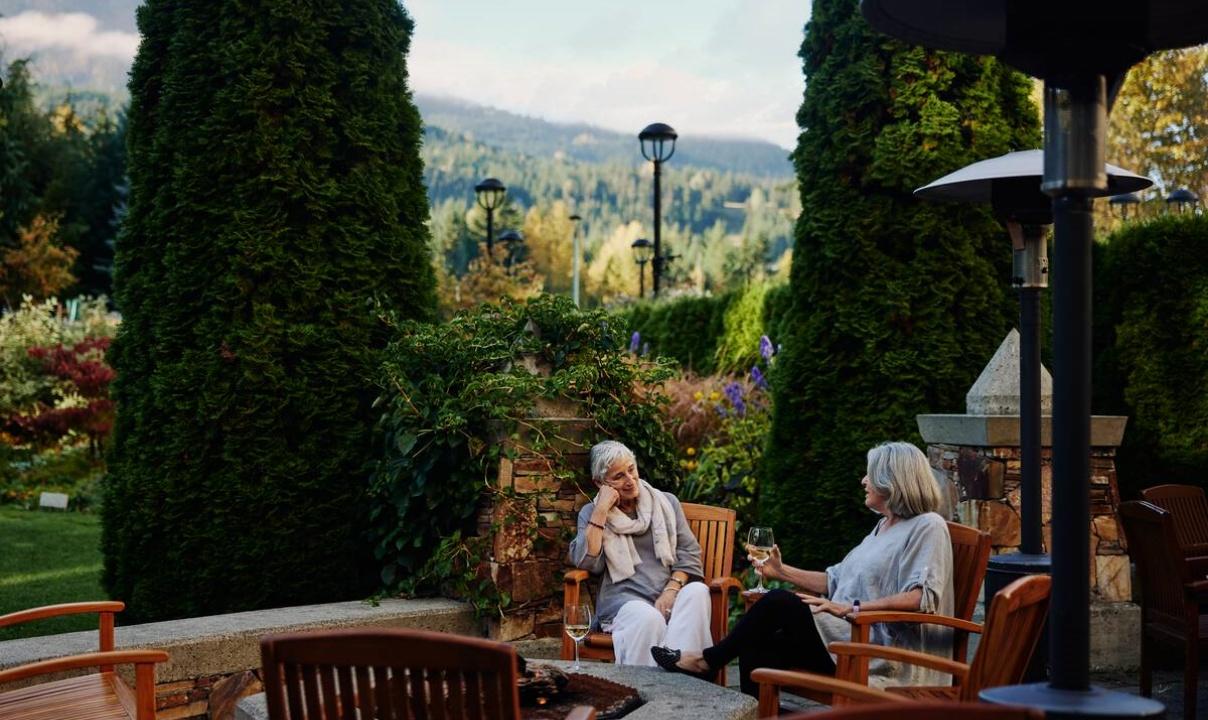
1188,506
970,557
388,674
922,711
1012,628
714,530
1153,543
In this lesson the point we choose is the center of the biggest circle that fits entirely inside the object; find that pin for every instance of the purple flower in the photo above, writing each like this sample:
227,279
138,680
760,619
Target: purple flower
634,341
733,392
766,351
720,410
757,377
645,349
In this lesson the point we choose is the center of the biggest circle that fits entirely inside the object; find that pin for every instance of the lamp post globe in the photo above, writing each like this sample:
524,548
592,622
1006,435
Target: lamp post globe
489,194
642,250
657,141
1181,198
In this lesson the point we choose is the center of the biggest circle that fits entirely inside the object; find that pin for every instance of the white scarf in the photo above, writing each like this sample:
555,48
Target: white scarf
654,512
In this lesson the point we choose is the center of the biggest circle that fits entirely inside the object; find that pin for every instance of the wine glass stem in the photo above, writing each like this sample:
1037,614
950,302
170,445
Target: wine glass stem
576,667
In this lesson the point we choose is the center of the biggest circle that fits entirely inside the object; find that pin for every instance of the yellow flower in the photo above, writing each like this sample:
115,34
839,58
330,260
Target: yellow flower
714,396
698,396
691,451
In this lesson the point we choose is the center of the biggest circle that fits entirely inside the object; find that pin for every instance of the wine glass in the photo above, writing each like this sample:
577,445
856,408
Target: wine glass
759,545
576,619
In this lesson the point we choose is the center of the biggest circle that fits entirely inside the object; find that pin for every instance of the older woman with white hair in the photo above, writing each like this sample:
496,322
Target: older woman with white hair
638,538
905,563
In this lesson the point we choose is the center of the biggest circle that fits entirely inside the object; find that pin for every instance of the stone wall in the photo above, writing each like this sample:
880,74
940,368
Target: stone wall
983,484
533,521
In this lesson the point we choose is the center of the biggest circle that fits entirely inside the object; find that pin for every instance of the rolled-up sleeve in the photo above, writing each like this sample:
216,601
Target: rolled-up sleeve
577,555
927,564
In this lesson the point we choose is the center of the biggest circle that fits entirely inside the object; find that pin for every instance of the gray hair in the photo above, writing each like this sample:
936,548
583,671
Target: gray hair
900,472
604,454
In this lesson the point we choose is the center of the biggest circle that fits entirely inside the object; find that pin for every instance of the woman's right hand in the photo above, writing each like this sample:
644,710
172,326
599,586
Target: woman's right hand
606,498
771,568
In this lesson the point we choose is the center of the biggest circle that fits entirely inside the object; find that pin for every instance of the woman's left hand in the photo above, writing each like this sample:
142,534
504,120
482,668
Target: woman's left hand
665,601
821,604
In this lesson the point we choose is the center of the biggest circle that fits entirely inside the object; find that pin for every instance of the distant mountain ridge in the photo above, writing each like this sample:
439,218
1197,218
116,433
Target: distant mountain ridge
587,143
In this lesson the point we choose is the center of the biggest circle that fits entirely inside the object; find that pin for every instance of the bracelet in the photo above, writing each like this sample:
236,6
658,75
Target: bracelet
595,524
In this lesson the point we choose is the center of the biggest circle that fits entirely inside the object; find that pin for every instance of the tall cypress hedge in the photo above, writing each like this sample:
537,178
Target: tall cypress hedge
276,193
896,304
1151,331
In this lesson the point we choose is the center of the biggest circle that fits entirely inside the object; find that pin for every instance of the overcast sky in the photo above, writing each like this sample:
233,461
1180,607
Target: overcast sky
706,67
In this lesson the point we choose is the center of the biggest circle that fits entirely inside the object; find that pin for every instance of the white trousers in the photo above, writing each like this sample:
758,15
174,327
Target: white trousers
638,626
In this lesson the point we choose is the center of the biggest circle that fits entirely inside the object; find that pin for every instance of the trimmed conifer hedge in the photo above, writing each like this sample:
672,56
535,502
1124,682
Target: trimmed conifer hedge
1151,331
895,303
276,193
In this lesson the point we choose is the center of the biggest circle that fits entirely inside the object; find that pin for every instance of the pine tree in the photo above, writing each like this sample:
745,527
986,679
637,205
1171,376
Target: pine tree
275,194
896,303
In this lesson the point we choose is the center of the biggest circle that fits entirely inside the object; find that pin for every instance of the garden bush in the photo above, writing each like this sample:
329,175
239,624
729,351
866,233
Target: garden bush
895,303
458,396
276,192
1151,336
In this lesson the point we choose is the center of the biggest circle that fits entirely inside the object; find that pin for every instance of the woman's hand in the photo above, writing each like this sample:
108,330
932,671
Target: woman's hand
665,601
772,567
606,499
821,604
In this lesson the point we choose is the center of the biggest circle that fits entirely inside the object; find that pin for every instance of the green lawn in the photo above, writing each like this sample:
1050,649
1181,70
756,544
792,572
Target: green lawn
45,558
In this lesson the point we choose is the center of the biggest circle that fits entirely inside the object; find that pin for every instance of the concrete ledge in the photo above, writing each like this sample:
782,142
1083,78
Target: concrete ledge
221,644
667,696
1003,430
1115,636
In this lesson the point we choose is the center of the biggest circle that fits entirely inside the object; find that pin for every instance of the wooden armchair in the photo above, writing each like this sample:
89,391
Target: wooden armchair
100,696
1188,506
1171,595
1012,628
390,674
714,530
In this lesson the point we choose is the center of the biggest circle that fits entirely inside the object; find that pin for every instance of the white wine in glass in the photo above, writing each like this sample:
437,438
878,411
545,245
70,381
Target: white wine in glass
759,545
577,621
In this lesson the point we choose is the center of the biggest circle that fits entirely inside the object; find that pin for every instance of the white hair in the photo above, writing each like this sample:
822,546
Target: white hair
604,454
899,471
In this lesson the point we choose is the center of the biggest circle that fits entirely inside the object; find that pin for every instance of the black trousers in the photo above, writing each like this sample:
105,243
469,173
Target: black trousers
777,632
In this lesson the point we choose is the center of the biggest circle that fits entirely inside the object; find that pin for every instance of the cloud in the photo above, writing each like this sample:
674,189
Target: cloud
32,31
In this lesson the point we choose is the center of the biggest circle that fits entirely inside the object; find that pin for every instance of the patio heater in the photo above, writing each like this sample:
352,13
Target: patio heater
1011,184
1081,49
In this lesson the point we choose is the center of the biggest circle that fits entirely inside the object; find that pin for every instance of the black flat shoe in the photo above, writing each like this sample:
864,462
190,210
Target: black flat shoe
667,659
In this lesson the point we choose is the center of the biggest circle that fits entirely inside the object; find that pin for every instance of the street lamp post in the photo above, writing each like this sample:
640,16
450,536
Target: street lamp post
641,255
489,194
657,141
1123,201
510,239
1079,54
574,281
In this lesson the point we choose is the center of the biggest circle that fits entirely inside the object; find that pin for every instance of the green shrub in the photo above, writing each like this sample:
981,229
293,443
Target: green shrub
742,326
896,303
687,329
1151,358
452,394
275,191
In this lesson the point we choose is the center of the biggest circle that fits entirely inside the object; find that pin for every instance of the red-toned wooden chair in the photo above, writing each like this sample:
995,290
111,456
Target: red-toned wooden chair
1188,506
390,674
99,696
714,530
1171,596
923,711
1010,634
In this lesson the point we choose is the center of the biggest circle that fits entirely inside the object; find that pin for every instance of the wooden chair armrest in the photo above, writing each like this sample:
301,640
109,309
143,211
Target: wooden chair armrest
1198,565
1197,590
581,712
49,611
721,589
958,670
871,617
794,680
725,585
574,577
74,662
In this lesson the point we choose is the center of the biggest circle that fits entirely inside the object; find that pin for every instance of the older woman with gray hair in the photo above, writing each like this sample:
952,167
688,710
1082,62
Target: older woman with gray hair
637,537
905,563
